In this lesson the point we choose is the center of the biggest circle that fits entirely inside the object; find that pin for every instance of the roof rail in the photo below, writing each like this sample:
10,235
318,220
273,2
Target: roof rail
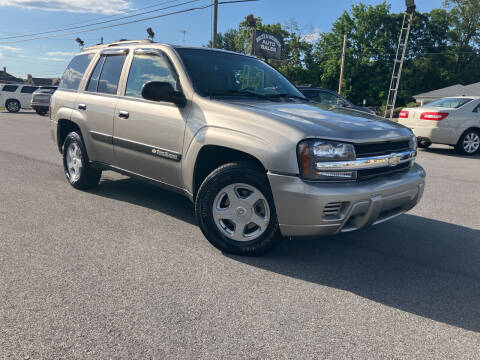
119,43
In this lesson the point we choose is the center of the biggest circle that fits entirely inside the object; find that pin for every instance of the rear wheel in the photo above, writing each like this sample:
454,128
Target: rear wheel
469,142
12,106
235,210
78,171
41,112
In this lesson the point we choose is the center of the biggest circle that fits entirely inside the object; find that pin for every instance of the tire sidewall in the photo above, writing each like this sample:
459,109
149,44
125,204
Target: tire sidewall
213,184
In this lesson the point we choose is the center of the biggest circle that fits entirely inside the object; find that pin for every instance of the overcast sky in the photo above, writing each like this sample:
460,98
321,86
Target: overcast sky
48,57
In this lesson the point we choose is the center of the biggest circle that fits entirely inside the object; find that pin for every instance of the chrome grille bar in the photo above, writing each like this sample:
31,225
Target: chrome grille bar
373,162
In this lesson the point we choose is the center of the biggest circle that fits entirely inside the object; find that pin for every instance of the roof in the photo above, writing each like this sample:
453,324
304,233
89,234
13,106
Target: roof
454,90
119,43
9,79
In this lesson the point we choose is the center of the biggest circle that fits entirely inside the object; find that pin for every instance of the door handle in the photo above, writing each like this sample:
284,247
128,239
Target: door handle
82,106
123,114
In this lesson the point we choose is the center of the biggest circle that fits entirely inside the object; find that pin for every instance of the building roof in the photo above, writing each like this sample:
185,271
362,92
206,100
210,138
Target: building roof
6,78
454,90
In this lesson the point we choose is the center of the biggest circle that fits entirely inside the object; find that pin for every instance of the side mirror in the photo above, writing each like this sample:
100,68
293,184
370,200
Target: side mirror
162,91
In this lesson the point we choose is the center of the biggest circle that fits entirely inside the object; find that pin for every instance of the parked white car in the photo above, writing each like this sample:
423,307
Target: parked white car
452,121
16,96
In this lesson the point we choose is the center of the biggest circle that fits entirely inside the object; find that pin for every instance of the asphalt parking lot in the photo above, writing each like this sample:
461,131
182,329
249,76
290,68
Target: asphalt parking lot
123,272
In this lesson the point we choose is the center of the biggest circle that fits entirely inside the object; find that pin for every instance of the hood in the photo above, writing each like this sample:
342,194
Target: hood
334,123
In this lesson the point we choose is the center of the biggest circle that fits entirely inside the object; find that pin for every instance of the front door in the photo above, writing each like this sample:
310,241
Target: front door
148,135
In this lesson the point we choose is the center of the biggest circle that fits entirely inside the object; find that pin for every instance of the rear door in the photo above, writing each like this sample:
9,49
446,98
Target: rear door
148,135
25,95
97,104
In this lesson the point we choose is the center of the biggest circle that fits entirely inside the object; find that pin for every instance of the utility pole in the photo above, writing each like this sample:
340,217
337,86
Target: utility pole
215,22
101,40
340,83
252,23
184,32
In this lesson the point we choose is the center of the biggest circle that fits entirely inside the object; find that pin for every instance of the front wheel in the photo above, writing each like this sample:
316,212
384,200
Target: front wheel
235,210
78,171
469,142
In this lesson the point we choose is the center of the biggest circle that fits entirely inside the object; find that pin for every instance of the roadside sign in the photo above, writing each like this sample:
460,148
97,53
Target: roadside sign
267,45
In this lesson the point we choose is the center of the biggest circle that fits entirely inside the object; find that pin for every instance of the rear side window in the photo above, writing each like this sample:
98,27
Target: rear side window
28,89
93,82
74,73
111,70
10,88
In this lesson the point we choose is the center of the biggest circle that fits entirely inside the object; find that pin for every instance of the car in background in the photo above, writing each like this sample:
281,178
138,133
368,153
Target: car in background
16,96
330,98
452,121
41,99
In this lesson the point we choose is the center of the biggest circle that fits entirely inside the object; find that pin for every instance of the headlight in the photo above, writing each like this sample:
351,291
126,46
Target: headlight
311,152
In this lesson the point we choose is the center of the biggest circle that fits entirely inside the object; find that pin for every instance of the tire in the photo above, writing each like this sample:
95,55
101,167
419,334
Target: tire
469,142
424,145
253,228
77,169
12,106
41,112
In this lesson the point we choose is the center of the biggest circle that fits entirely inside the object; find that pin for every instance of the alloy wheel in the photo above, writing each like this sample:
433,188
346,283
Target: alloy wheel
74,161
471,142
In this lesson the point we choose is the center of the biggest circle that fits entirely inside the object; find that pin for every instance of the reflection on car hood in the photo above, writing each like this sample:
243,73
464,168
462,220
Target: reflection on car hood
335,123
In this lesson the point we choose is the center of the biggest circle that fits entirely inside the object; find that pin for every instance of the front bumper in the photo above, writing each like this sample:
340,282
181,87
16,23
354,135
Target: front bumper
300,205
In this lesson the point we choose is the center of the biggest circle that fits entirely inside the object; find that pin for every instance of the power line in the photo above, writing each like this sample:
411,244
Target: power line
97,23
127,22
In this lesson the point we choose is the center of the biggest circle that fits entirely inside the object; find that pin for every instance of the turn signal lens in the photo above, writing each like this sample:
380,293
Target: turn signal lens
403,114
435,116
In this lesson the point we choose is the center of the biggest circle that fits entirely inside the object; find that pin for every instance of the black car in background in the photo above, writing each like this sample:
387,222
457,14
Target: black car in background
41,99
329,98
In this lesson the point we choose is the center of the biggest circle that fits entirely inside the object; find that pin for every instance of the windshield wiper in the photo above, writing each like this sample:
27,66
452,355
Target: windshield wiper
239,93
288,96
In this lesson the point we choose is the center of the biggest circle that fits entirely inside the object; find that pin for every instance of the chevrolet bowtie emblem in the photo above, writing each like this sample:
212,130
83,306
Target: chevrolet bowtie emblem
394,160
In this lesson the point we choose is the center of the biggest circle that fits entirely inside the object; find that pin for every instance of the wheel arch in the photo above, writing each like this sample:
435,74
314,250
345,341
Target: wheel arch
476,128
213,147
64,127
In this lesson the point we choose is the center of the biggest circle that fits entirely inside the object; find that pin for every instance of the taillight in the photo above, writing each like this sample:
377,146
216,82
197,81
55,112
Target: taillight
403,114
435,116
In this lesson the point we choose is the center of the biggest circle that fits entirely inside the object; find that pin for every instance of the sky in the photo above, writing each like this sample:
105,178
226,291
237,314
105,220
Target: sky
49,57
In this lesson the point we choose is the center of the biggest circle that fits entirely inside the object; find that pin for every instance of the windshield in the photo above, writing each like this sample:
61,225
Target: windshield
451,103
217,73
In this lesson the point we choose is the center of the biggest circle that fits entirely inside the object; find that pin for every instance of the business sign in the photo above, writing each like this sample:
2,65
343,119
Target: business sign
267,46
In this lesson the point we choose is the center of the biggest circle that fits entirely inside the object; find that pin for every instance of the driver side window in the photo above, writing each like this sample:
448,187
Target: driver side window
147,68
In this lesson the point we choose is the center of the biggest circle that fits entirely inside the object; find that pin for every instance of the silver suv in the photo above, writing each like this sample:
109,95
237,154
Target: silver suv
258,159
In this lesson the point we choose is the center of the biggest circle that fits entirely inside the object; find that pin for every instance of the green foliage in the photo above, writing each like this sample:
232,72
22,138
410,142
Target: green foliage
442,50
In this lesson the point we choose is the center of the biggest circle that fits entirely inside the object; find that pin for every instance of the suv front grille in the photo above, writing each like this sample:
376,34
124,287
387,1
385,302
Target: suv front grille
378,149
384,148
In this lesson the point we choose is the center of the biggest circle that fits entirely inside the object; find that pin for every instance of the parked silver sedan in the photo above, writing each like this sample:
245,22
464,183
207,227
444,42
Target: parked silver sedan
452,121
